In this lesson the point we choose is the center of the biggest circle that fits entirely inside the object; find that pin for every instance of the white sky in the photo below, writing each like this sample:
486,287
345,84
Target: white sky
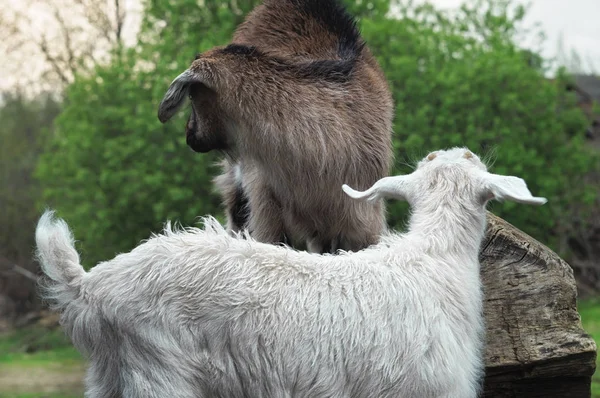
577,22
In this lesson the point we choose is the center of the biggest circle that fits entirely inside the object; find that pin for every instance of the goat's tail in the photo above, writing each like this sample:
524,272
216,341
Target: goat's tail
59,260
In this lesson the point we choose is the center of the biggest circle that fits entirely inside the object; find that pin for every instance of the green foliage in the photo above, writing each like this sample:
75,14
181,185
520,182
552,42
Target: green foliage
35,345
376,9
460,80
37,361
115,173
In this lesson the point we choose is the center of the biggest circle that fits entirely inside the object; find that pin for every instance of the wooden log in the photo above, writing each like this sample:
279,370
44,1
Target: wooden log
536,346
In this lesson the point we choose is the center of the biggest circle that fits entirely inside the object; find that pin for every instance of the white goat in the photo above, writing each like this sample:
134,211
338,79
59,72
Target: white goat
198,313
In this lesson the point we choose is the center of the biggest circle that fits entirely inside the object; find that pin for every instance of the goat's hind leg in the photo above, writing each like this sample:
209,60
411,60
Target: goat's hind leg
102,380
155,381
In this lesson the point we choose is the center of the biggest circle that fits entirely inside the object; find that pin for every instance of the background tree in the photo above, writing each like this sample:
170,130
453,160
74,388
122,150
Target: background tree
24,124
459,79
113,170
70,36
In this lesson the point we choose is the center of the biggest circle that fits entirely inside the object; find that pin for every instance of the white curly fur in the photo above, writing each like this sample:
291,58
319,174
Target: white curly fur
199,313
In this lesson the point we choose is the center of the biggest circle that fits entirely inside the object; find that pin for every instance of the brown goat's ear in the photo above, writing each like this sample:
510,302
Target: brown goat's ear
176,94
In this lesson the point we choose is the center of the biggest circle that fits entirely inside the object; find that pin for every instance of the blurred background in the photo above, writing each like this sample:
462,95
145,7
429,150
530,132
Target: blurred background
80,82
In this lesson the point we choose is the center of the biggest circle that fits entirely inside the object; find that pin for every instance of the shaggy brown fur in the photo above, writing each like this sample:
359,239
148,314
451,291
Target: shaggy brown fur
299,106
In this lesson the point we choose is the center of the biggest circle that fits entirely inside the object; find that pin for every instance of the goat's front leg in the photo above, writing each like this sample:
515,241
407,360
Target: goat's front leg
319,246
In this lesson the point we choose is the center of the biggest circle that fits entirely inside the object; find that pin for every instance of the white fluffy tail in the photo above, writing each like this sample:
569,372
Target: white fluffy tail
59,260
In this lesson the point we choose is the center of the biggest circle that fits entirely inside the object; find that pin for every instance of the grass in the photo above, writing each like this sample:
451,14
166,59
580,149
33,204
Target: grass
37,346
37,362
590,317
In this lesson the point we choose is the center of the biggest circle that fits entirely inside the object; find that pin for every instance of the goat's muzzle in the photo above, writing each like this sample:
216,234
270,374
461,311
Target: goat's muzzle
192,139
205,134
196,144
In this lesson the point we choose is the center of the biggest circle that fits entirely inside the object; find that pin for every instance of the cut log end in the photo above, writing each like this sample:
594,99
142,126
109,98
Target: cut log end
535,346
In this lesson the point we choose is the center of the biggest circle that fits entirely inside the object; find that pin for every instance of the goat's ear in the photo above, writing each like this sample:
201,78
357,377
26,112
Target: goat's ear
396,187
177,93
501,187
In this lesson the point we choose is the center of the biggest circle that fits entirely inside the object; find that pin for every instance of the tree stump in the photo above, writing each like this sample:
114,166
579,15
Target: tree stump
536,346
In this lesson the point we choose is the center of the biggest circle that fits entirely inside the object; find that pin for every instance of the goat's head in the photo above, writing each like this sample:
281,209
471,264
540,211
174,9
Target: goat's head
447,175
205,128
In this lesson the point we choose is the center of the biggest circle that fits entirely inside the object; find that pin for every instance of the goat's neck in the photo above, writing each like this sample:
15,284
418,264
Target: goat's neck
449,227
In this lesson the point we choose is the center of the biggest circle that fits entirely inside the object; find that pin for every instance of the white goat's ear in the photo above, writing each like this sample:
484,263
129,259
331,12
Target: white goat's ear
396,187
510,188
176,95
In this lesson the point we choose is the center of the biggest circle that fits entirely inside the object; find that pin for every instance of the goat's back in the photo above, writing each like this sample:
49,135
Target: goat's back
307,28
237,316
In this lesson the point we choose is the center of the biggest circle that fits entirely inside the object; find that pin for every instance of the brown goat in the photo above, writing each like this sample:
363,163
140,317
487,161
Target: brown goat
299,106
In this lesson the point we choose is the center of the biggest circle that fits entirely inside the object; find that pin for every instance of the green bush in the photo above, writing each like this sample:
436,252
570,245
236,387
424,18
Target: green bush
113,171
460,80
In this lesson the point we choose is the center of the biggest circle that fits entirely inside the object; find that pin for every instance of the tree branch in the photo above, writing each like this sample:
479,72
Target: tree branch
71,58
24,272
52,61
